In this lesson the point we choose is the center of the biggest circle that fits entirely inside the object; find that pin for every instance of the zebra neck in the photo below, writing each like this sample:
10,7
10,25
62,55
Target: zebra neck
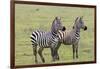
54,34
77,32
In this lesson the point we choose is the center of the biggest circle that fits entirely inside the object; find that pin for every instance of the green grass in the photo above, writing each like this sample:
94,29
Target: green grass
32,17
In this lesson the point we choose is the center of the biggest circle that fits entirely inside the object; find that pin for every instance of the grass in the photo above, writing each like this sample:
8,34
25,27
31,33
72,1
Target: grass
33,17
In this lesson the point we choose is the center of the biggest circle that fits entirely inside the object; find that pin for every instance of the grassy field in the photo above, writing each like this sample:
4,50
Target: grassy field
32,17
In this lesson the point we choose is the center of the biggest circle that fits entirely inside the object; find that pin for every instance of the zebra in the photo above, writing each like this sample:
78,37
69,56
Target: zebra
44,39
72,37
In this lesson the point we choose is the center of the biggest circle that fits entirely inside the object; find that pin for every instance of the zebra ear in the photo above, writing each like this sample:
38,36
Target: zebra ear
58,17
55,17
76,19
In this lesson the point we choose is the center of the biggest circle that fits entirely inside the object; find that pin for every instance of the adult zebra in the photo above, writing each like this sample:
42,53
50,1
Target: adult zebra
72,37
46,40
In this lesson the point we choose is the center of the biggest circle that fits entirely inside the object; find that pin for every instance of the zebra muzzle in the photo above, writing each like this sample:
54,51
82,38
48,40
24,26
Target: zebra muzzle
64,28
85,28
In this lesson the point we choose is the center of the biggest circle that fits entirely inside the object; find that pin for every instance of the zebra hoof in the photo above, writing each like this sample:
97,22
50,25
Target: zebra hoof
36,62
43,61
57,58
73,58
77,57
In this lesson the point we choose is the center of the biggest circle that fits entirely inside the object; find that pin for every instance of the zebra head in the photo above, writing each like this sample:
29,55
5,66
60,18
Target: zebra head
79,23
57,25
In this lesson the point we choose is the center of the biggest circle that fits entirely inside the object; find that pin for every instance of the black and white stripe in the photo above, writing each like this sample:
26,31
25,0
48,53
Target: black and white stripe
43,39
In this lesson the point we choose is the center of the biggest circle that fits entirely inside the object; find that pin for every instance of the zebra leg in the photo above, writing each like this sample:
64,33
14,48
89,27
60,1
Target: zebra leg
56,53
73,46
40,54
52,54
76,51
35,53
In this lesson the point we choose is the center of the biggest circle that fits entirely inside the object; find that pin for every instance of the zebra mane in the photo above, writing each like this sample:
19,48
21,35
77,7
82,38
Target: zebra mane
76,21
53,27
78,18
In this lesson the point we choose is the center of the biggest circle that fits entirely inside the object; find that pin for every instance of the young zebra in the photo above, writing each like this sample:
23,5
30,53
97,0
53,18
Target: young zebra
46,40
72,37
